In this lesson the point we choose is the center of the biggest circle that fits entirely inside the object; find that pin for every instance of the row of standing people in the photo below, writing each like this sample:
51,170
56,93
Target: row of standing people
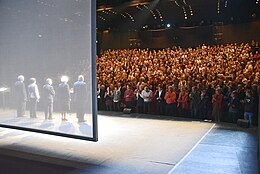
32,96
209,104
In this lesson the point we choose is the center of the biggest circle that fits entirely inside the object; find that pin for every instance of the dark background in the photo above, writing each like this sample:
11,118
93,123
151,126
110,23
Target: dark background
43,38
208,22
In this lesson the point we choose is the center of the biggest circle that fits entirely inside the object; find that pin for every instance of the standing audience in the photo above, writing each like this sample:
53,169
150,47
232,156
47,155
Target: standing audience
249,107
170,99
160,102
208,82
201,79
147,96
233,108
217,99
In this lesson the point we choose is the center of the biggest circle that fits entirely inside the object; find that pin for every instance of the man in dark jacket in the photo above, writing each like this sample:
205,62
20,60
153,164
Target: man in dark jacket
139,101
204,105
160,102
80,98
20,96
48,96
249,107
195,99
233,107
33,97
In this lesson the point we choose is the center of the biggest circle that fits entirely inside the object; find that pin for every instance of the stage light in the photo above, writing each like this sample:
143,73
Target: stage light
168,25
64,79
177,3
191,12
101,18
218,7
3,89
226,3
130,16
145,26
146,7
123,15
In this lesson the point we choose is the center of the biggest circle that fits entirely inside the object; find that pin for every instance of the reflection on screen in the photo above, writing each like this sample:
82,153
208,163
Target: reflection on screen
45,65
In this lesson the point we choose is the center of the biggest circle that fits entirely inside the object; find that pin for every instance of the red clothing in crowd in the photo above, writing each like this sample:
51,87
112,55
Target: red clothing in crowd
170,97
217,100
129,95
256,56
184,101
217,106
153,102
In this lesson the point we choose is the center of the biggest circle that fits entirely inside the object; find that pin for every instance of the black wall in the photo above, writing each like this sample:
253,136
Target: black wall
184,37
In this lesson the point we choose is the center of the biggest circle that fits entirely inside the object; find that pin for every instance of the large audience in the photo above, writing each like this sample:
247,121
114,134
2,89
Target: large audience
200,82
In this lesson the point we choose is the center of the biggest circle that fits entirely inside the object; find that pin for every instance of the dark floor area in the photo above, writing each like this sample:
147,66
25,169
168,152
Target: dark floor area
14,165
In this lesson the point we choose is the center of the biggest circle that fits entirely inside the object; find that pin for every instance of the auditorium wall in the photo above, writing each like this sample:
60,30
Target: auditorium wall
185,36
245,32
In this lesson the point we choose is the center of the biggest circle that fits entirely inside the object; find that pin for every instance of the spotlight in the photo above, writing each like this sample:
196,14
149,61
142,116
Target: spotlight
3,89
64,79
226,3
168,25
145,26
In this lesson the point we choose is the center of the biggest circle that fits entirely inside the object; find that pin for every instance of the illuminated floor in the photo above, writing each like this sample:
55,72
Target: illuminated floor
133,145
8,117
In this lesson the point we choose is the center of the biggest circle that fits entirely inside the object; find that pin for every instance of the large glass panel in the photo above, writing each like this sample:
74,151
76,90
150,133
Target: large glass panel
47,66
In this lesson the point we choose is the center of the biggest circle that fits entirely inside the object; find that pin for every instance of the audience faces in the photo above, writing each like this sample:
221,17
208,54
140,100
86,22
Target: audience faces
228,68
216,64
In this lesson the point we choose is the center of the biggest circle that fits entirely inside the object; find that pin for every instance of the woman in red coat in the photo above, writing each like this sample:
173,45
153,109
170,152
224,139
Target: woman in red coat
129,97
183,103
217,99
153,102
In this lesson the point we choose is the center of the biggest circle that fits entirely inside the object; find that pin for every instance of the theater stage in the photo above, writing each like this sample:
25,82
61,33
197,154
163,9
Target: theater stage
134,144
71,126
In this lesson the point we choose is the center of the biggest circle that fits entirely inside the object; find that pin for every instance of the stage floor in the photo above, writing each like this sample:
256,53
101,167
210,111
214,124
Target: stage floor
71,126
133,145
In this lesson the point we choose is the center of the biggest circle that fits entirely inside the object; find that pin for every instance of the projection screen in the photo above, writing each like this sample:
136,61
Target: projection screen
48,67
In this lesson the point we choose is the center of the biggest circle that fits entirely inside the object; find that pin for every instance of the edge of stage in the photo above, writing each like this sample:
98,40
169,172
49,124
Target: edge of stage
135,144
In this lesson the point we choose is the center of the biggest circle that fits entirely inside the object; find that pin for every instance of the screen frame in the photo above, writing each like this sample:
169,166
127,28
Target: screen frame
94,91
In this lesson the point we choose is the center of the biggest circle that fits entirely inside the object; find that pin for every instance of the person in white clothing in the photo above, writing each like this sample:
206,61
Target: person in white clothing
147,96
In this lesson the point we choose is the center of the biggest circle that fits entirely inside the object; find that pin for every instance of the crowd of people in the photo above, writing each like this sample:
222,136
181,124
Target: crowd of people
217,82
